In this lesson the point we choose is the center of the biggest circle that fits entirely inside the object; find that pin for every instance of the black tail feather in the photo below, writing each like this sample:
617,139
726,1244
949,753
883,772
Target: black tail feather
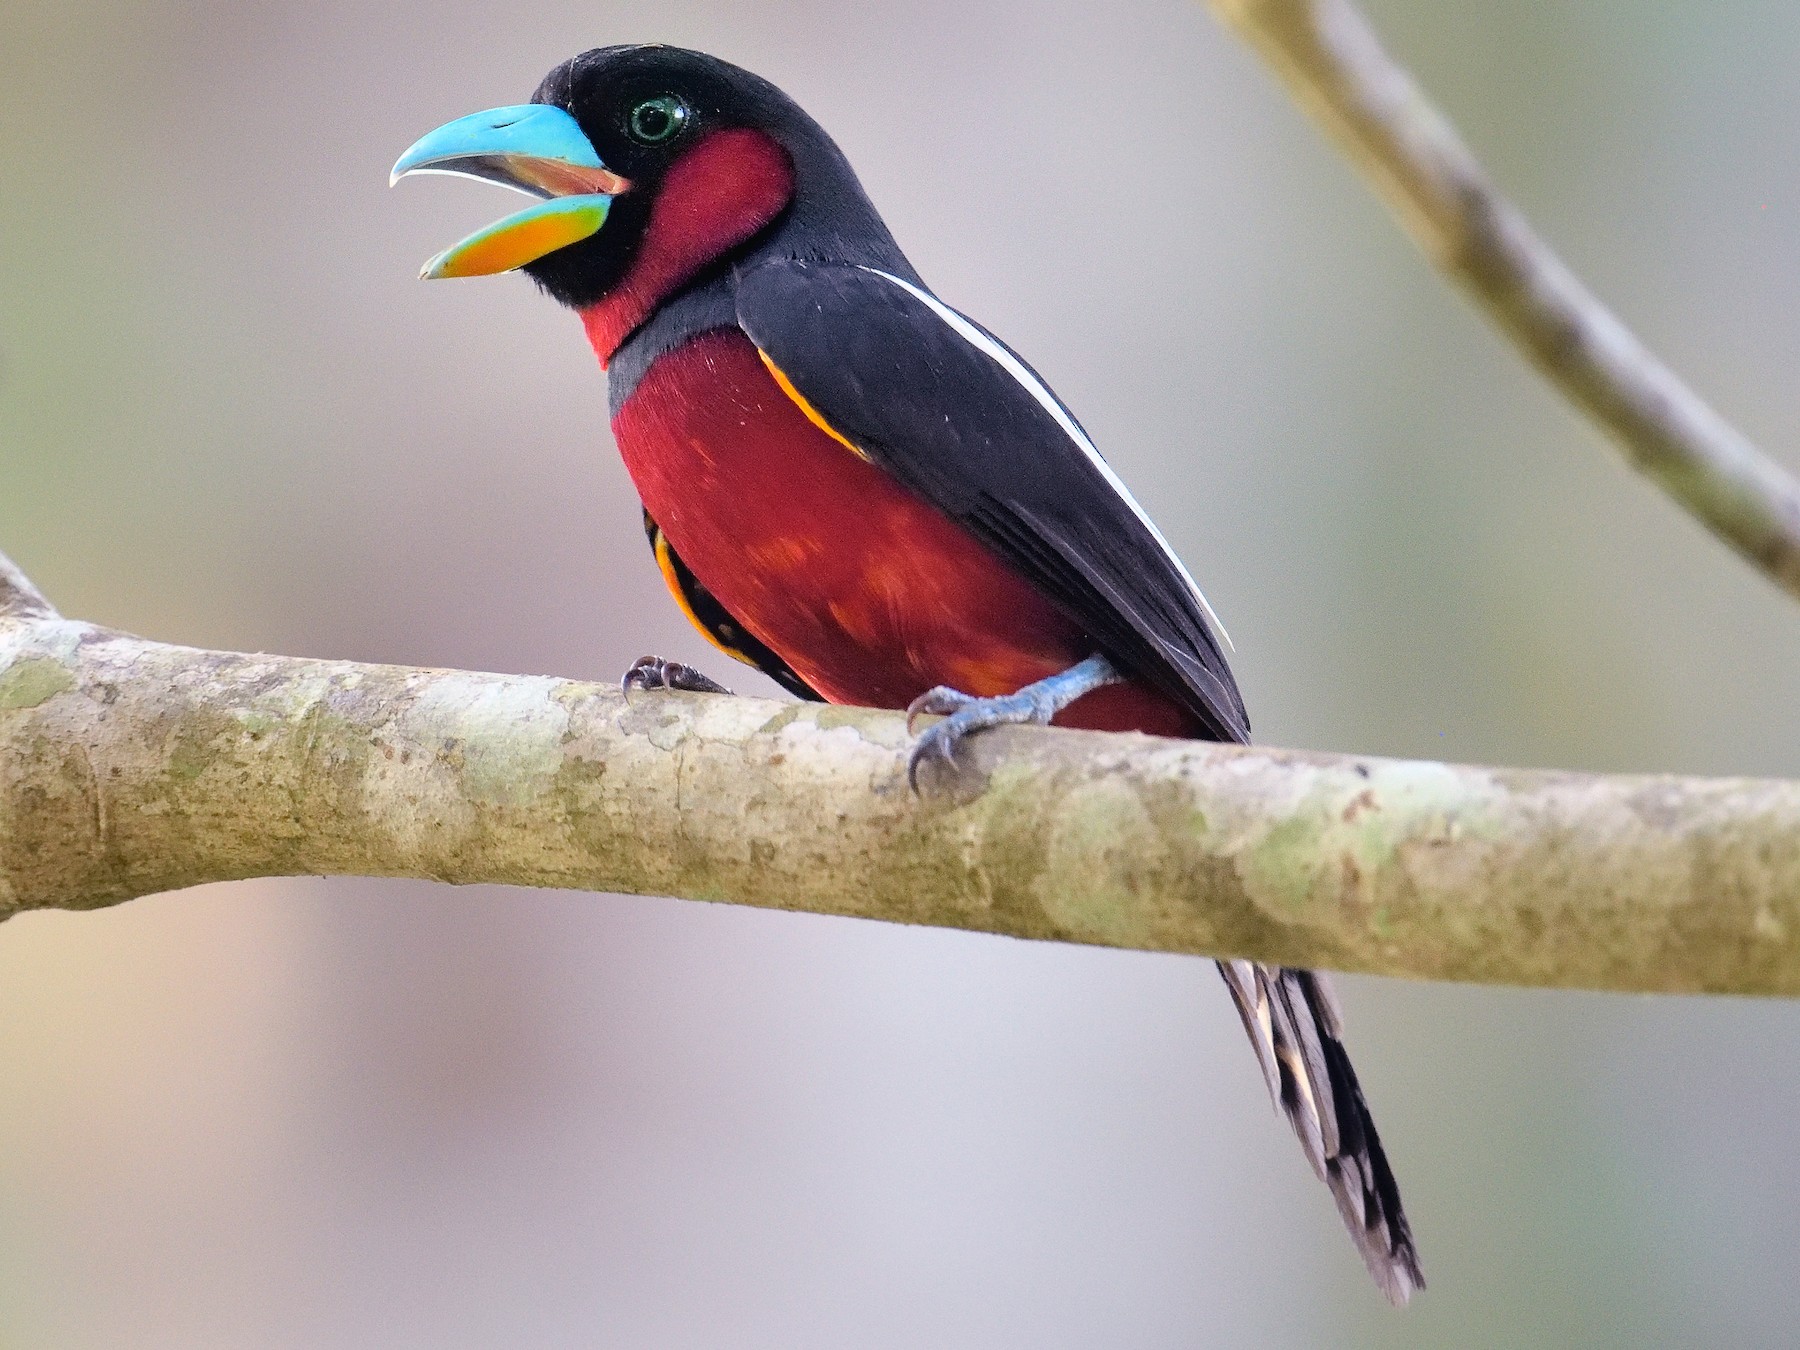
1292,1020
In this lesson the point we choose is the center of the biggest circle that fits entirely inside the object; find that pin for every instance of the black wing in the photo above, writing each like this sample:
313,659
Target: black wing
959,418
950,411
715,622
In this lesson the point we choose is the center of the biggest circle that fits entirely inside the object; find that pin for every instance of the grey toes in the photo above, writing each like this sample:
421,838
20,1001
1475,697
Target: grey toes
652,672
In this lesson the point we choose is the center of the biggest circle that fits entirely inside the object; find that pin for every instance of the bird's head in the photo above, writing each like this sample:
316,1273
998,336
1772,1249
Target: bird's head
651,164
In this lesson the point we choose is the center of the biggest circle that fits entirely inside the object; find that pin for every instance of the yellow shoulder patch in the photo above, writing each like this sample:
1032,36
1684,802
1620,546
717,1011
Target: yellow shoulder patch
813,415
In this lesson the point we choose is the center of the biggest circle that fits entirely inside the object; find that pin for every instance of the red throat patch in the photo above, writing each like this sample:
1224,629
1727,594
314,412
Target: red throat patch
713,198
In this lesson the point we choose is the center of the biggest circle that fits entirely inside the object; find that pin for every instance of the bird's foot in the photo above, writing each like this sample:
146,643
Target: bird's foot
652,672
965,714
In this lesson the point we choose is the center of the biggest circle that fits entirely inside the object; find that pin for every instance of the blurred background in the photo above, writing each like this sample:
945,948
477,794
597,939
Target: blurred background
349,1113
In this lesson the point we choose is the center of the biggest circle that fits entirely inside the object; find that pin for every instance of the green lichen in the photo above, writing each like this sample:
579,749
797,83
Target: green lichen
829,718
781,720
32,681
189,758
511,735
1344,838
1102,857
257,723
1284,865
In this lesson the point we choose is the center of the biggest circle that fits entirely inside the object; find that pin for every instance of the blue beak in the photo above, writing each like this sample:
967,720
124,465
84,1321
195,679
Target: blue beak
535,149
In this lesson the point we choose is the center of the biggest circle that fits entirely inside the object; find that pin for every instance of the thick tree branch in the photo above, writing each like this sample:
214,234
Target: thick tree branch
129,767
1336,69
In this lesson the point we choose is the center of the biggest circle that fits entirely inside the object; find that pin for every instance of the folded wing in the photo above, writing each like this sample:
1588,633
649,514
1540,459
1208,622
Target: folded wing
958,417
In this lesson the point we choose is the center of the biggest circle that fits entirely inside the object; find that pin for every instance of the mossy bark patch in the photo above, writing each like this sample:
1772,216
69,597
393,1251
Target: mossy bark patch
34,680
128,767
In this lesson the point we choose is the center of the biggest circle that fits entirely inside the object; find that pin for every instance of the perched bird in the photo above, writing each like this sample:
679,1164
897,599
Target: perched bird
859,490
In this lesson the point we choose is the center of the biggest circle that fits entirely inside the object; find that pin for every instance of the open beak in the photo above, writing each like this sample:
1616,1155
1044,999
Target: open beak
536,149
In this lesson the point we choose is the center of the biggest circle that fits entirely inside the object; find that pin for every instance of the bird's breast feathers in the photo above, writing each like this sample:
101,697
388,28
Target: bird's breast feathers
866,589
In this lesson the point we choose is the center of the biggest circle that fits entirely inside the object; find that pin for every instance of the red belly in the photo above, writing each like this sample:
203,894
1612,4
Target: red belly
871,593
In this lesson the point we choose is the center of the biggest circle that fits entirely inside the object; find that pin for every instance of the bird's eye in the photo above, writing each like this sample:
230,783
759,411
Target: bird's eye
656,121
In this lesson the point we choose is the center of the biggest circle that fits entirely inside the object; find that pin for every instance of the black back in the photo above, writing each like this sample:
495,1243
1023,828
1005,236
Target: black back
946,417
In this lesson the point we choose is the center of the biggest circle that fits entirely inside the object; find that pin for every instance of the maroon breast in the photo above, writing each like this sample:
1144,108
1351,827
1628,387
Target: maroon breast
871,593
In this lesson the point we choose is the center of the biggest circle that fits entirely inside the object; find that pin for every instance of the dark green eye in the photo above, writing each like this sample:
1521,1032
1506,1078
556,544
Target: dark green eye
657,120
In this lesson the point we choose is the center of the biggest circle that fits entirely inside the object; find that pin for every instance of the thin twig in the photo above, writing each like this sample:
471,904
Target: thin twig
1335,67
128,767
19,599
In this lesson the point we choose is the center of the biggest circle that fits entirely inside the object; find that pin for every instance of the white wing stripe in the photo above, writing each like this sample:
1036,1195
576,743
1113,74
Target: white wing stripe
1052,405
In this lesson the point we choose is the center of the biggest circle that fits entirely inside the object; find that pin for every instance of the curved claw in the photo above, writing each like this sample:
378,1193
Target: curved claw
939,740
653,672
967,715
938,702
1037,702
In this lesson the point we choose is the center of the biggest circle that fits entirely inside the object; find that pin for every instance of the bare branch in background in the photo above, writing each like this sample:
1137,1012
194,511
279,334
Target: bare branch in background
129,767
1335,67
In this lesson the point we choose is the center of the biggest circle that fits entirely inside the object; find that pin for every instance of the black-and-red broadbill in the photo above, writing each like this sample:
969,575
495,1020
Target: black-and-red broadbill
861,491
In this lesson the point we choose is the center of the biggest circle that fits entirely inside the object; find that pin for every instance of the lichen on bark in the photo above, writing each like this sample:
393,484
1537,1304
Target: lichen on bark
129,767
